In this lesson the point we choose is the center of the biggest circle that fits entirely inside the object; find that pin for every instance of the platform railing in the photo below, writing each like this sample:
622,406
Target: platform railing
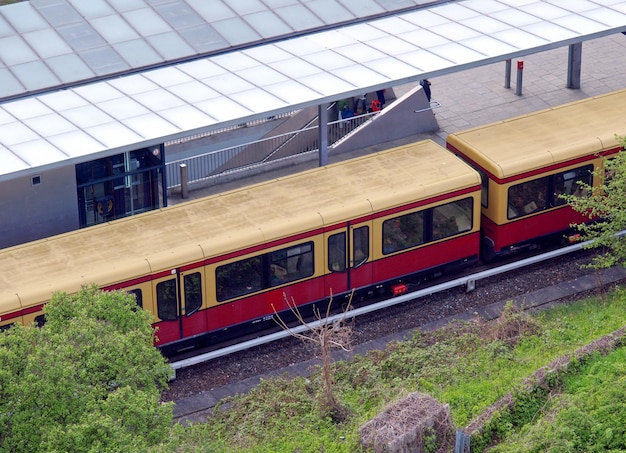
258,153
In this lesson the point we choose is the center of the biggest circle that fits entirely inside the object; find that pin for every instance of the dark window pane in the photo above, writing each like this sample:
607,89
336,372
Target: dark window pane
452,218
167,300
193,293
361,251
337,252
138,296
527,197
290,264
239,278
403,232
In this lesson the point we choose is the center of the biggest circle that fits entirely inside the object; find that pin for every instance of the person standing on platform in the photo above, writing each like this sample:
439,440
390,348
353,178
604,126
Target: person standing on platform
426,85
361,102
380,94
376,105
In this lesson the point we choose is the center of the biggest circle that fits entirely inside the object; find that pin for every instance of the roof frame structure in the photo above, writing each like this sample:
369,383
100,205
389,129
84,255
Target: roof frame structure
150,107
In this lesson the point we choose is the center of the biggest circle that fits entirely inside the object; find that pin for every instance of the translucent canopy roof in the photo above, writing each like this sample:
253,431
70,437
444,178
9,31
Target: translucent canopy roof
51,43
150,107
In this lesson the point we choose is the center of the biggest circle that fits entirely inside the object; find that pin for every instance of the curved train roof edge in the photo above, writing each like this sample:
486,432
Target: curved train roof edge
528,142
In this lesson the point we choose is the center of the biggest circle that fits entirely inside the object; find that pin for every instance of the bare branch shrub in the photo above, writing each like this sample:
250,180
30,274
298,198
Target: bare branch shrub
326,335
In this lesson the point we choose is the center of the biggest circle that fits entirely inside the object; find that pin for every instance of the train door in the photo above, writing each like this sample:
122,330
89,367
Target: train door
348,258
179,297
165,290
360,270
193,319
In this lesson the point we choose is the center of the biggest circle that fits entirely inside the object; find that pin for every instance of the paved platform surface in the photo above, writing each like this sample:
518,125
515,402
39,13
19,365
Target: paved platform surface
468,99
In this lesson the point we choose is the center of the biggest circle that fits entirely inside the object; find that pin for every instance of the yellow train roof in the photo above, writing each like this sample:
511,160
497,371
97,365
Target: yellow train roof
529,142
188,232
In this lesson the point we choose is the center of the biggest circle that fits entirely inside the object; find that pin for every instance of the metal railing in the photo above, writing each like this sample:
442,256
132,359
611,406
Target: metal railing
258,153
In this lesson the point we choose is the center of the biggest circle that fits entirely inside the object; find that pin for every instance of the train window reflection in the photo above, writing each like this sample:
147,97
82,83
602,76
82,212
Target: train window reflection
337,252
193,293
239,278
291,264
571,182
361,241
166,299
527,197
416,228
452,218
403,232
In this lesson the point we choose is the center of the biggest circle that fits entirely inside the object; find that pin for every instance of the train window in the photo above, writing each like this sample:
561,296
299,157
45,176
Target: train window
452,218
193,293
167,300
6,327
138,296
239,278
361,239
569,183
292,263
609,169
337,252
527,197
403,232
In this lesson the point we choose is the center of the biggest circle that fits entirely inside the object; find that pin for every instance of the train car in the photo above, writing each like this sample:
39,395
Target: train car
219,267
528,161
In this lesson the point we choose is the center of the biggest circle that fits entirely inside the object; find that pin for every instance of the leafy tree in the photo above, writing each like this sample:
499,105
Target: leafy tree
608,203
88,380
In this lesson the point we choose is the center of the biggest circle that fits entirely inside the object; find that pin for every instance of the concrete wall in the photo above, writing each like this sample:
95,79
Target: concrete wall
29,212
398,120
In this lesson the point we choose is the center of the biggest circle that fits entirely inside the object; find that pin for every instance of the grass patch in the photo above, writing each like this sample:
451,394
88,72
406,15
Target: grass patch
467,366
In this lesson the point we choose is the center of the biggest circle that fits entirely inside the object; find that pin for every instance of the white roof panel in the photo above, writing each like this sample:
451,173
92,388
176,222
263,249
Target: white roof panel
38,151
186,117
113,135
86,116
11,162
151,107
78,143
49,125
14,134
26,108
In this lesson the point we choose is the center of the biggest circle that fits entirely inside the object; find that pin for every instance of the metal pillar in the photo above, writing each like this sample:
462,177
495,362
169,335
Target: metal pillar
520,73
574,60
184,185
507,73
323,134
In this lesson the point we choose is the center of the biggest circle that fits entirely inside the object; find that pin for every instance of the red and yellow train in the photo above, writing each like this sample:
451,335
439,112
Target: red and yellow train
218,268
527,162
